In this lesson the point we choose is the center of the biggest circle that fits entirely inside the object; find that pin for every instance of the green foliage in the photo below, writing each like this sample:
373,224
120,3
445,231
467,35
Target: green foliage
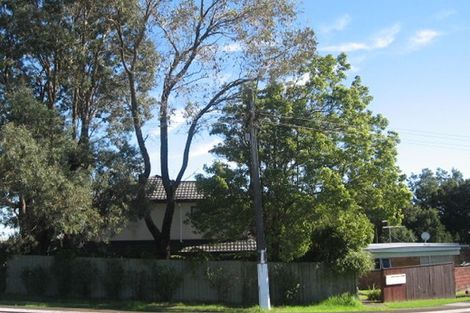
221,281
74,166
84,277
327,164
338,241
114,279
400,234
440,205
287,285
419,219
354,261
34,280
344,299
36,177
167,281
375,294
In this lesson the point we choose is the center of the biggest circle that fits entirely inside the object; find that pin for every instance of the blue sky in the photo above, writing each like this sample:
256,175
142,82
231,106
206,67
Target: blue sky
413,55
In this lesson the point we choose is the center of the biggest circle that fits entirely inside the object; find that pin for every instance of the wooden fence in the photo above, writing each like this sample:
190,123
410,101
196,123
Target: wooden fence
200,281
422,282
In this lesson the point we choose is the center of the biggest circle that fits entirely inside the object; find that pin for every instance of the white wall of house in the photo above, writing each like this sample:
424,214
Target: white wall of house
179,229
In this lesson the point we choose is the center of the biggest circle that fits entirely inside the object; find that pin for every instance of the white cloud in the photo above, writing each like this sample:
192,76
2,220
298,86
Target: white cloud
346,47
385,37
423,38
445,14
232,47
177,119
203,149
338,25
381,40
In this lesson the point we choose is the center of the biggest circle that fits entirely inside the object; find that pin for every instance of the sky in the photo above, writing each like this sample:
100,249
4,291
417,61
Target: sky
413,56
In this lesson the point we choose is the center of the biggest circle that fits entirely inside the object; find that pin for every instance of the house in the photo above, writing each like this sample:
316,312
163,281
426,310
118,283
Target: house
136,235
136,238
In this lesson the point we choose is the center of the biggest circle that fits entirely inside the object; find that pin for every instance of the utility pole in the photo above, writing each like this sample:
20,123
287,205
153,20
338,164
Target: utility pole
263,279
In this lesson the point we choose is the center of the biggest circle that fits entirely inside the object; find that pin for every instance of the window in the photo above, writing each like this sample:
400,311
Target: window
382,263
193,210
376,264
386,263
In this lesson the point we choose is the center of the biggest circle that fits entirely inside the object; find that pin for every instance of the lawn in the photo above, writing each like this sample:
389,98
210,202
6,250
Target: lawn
335,304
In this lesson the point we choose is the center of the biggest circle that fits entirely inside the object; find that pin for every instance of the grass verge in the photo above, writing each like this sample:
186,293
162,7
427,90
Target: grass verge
343,303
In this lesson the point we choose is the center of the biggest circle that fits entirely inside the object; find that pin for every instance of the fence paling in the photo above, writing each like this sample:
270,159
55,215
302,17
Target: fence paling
422,282
235,281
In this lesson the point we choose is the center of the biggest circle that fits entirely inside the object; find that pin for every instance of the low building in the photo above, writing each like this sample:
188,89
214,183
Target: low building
400,254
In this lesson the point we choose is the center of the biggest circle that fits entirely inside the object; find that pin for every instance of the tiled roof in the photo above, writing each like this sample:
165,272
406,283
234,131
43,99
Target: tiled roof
186,190
232,246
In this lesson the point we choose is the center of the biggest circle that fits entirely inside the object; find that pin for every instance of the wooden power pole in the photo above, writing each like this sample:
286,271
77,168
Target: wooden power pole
263,278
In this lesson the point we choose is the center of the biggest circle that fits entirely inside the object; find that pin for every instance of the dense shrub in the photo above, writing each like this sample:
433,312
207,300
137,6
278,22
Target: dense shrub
221,281
358,262
345,299
35,280
114,279
374,294
167,282
287,285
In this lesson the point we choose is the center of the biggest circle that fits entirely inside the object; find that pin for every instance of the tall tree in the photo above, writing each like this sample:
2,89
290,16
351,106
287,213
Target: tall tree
444,194
39,195
206,50
327,167
63,52
421,219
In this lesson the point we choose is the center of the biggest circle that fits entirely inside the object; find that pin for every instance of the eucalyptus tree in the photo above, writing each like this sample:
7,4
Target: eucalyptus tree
202,52
62,52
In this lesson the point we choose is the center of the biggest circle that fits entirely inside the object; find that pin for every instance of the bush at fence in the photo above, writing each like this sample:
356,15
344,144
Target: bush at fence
287,284
221,281
167,282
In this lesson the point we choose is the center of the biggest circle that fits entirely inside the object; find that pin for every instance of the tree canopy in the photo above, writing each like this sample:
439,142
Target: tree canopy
69,171
327,168
93,65
442,204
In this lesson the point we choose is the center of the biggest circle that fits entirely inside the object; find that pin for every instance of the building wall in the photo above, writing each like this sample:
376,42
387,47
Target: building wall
373,278
462,278
405,261
137,231
437,259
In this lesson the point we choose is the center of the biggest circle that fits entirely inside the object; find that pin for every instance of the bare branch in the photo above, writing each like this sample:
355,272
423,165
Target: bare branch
216,99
